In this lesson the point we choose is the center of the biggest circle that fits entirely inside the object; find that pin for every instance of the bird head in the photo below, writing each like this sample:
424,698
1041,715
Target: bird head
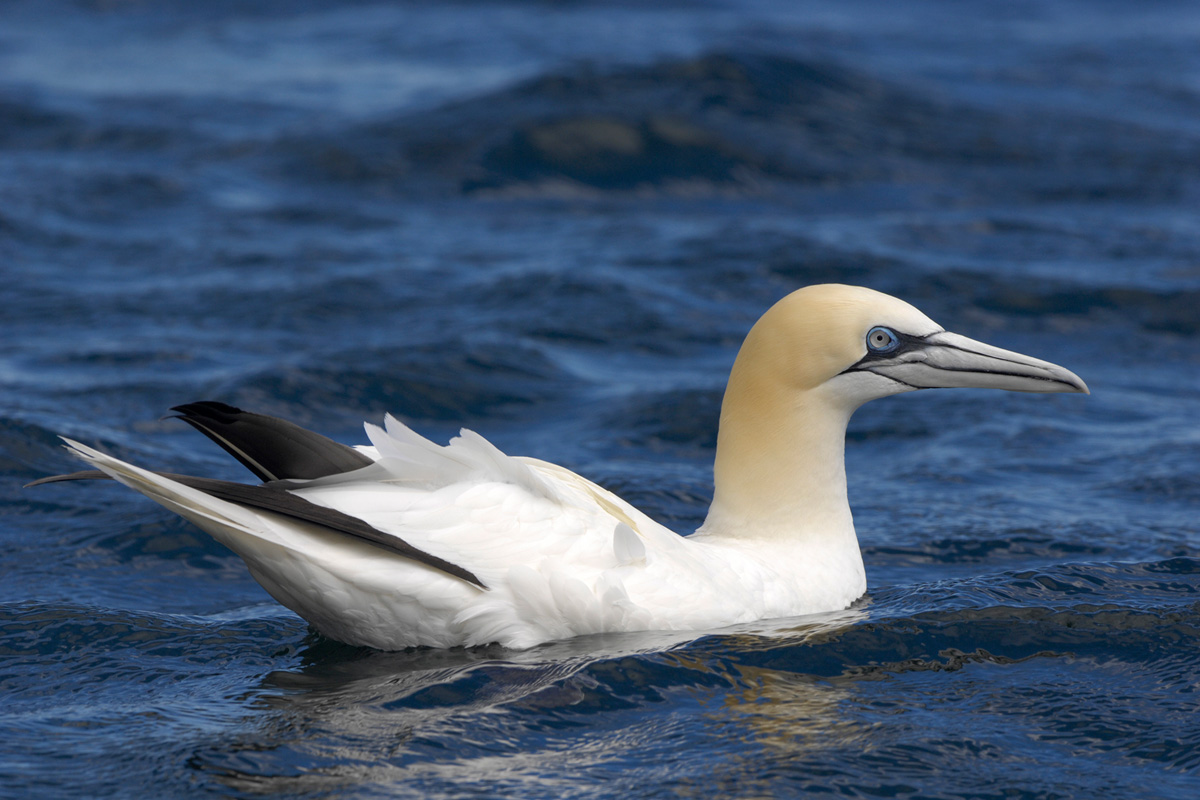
857,344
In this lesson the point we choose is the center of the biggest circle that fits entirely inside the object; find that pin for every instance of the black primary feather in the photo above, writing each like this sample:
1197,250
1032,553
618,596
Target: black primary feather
272,448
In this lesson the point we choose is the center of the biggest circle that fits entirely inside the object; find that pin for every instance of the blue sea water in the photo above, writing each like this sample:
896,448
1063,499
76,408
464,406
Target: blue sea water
553,223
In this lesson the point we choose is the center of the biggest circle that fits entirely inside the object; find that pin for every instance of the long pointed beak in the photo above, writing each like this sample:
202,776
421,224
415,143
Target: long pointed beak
945,360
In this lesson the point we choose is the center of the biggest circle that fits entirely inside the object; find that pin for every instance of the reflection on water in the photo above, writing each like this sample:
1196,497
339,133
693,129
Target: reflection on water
359,717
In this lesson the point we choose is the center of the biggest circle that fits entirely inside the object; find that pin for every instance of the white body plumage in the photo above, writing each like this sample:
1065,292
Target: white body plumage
559,555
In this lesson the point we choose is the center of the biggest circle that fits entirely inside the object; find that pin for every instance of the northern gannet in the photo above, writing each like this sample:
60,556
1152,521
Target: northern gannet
407,542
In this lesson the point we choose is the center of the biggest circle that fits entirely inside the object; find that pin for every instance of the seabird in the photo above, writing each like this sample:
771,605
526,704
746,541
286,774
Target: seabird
407,543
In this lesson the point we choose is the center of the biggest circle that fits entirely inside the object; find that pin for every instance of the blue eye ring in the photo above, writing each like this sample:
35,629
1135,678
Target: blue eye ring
882,340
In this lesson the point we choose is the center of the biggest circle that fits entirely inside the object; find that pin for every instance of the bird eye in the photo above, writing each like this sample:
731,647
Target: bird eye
882,340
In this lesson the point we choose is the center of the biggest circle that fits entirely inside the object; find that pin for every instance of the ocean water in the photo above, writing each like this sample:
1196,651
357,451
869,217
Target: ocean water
553,223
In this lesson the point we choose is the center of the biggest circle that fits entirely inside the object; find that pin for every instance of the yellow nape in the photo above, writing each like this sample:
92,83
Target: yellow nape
779,461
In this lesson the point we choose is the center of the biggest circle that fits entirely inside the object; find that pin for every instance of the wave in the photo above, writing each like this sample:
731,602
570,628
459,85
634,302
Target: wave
748,122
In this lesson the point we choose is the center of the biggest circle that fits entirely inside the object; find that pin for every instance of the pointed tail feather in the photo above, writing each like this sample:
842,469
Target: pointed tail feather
85,475
176,492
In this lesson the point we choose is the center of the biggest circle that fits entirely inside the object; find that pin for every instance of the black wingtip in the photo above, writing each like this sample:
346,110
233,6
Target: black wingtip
208,408
272,448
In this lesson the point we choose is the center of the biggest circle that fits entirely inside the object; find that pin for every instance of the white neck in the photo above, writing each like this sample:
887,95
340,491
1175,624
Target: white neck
780,470
779,494
780,499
